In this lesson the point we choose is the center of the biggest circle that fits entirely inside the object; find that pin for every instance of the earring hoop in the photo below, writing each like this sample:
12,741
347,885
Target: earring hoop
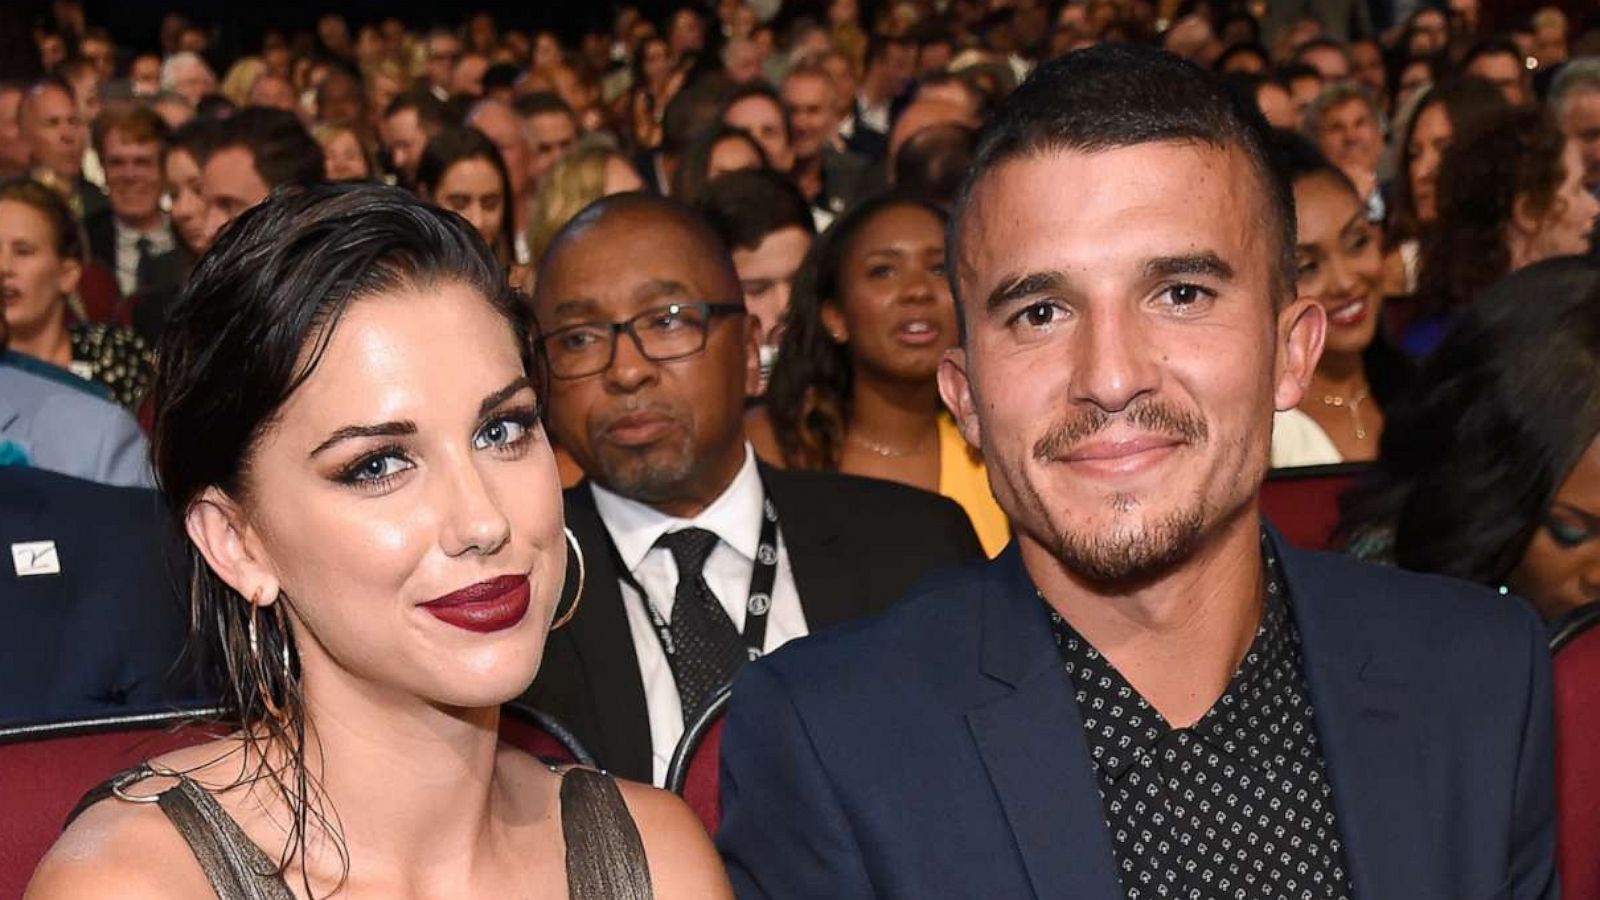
263,675
577,597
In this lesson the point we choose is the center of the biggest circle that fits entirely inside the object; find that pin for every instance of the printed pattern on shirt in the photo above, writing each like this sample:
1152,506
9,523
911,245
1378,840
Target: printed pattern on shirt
1237,805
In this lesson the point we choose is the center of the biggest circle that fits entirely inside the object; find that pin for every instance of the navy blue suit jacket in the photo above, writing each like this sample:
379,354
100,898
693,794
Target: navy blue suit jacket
937,750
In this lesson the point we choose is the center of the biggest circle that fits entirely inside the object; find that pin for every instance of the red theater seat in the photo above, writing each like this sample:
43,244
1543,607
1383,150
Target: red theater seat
1304,502
45,769
1577,698
693,772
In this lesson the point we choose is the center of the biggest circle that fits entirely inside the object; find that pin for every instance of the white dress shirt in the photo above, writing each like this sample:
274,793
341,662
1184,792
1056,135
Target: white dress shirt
735,518
160,239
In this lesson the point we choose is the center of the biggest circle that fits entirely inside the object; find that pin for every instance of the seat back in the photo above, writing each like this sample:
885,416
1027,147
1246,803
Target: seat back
1303,502
1576,681
693,772
45,769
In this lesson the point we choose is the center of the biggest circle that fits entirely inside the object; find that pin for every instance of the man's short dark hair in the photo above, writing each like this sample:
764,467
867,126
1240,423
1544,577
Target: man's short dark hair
281,148
1122,95
751,89
1321,43
931,163
500,76
1494,45
878,45
746,206
541,103
136,124
431,112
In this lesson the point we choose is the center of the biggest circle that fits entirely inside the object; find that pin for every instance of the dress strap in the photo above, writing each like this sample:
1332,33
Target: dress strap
605,856
235,867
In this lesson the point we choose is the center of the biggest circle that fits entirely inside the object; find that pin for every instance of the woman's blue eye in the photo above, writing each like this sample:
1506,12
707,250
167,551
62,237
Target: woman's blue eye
374,469
500,433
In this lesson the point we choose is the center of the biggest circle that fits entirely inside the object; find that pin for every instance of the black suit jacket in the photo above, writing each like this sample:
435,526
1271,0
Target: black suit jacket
854,545
104,634
166,273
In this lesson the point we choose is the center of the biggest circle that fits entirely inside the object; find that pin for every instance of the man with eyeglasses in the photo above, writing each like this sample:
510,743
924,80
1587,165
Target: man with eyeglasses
697,557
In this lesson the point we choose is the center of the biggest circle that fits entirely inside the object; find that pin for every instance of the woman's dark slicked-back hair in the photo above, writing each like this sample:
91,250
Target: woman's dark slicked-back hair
1498,416
250,327
1113,96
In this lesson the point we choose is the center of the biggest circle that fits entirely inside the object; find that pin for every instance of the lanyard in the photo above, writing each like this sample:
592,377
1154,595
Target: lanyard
762,578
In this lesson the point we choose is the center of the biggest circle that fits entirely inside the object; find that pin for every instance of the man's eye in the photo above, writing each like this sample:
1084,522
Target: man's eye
1185,294
1038,315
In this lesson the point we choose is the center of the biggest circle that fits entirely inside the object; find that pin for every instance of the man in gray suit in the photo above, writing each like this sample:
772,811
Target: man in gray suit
52,419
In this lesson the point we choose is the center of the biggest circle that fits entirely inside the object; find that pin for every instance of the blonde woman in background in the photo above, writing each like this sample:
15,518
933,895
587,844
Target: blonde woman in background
587,173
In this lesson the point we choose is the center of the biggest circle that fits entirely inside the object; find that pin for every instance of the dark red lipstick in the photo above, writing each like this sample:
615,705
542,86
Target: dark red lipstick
492,605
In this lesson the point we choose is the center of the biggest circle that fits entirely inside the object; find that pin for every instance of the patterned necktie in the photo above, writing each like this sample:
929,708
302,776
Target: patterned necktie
708,648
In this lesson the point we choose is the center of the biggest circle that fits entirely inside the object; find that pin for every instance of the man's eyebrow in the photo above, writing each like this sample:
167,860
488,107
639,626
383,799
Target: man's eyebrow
351,432
502,395
1202,263
1016,287
662,287
575,307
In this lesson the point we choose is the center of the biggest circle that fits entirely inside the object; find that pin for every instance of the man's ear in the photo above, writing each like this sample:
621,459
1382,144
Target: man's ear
231,546
955,387
752,356
1302,327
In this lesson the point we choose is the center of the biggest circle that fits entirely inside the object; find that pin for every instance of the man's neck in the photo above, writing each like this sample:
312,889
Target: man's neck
696,498
1177,638
144,224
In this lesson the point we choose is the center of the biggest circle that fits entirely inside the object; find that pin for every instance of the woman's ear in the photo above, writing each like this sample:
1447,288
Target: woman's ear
230,546
833,320
71,274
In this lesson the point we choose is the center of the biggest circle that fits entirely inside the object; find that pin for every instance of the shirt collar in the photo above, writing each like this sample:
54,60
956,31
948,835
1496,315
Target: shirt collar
159,236
734,517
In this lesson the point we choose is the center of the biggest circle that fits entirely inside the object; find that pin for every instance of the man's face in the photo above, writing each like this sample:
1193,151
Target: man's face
552,135
1505,72
133,177
403,135
339,100
763,119
899,66
274,92
813,113
13,150
231,185
766,277
1123,360
660,432
1580,119
1366,59
145,75
1302,91
443,51
1329,62
1348,135
102,54
504,129
53,131
193,81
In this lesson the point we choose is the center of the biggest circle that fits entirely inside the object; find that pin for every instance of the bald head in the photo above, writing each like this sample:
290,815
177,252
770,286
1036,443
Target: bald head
642,221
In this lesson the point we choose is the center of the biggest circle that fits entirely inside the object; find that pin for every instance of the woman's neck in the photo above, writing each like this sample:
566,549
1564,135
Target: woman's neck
896,414
1340,373
51,341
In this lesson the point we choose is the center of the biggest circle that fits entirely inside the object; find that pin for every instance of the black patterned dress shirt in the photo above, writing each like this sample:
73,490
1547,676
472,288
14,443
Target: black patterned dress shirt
1235,806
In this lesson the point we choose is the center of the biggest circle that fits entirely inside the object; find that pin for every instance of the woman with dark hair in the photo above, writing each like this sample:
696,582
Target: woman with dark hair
722,149
42,258
347,427
855,387
461,170
1440,114
1489,467
1339,265
1510,194
185,153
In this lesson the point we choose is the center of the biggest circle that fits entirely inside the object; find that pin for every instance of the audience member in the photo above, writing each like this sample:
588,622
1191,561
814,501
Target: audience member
1500,62
552,130
582,176
54,420
1331,59
1045,723
188,76
1575,101
54,133
722,149
273,91
1510,194
1344,123
932,163
1304,84
408,122
173,109
134,238
251,154
1460,106
1339,264
353,574
144,75
767,227
855,385
502,126
757,110
14,151
651,355
461,171
890,66
344,157
95,626
829,176
40,268
186,151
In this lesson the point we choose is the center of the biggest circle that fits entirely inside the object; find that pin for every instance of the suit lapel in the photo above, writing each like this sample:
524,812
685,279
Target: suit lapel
828,591
1367,722
604,647
1028,731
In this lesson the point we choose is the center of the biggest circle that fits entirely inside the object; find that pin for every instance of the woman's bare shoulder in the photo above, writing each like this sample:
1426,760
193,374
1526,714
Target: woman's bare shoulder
683,862
119,849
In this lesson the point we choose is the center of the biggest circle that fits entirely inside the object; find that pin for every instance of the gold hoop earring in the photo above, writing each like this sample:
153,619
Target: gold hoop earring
577,597
263,676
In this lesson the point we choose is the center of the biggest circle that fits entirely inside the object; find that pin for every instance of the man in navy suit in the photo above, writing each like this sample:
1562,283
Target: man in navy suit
1148,694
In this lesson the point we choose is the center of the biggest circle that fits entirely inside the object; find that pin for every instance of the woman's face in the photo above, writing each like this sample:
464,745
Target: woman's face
1414,77
188,203
895,309
344,159
1560,570
1429,140
732,154
1566,228
657,60
1339,261
472,188
406,504
34,278
546,51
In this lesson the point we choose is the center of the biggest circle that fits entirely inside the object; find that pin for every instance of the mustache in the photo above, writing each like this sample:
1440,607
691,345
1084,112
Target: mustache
1150,416
603,423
